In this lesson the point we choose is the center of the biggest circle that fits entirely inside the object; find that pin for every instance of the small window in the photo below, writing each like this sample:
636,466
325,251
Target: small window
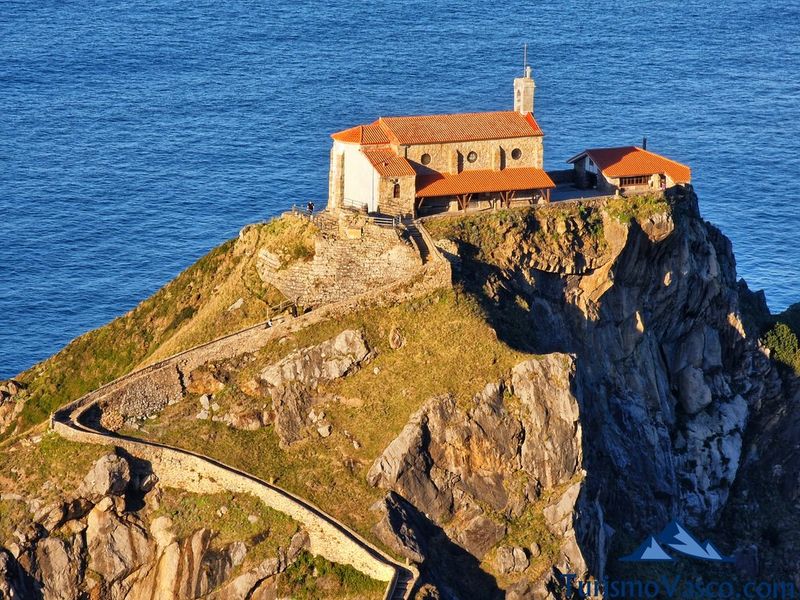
638,180
425,159
396,190
516,154
472,156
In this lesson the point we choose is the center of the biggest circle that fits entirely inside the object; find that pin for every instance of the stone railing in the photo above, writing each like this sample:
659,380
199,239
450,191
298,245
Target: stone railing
150,388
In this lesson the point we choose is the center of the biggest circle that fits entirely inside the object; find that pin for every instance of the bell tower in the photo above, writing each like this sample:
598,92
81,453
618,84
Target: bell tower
524,88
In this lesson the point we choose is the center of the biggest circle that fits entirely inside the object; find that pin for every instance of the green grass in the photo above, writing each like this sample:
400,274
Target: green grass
449,349
291,239
190,512
311,577
48,470
784,347
24,468
191,309
637,207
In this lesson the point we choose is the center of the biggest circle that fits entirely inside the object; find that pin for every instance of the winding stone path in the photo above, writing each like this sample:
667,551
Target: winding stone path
198,473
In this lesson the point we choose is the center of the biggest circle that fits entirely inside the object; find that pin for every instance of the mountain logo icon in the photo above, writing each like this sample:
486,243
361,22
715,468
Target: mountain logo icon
677,538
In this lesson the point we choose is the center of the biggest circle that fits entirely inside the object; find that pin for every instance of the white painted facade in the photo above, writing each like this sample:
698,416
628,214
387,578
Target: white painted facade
360,178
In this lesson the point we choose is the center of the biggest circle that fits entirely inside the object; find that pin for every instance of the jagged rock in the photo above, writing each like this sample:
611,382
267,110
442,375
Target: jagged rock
398,527
325,430
559,515
511,559
713,442
10,388
291,404
11,402
693,392
110,475
445,458
479,535
117,546
203,382
300,541
51,516
290,380
244,418
329,360
259,581
551,452
396,339
12,585
60,566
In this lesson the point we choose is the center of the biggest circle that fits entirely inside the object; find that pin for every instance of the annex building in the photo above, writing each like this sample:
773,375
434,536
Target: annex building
627,169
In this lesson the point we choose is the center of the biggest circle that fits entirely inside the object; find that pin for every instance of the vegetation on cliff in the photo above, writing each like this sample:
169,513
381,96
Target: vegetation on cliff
447,347
290,239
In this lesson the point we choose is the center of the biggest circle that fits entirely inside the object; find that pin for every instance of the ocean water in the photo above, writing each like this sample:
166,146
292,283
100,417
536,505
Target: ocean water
136,135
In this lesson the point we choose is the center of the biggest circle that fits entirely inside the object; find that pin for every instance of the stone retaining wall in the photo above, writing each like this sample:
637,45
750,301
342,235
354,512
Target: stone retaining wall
349,260
147,393
200,475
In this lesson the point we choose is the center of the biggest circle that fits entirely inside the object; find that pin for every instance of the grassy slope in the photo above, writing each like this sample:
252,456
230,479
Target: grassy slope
191,309
449,348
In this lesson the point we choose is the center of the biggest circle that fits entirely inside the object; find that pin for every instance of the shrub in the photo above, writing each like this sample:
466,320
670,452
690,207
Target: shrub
783,344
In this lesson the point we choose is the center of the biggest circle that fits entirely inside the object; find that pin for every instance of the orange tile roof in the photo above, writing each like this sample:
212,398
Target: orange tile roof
478,181
459,127
630,161
362,134
387,163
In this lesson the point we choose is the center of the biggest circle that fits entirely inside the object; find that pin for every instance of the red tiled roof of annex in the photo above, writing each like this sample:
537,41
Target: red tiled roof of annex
631,161
480,181
440,129
387,163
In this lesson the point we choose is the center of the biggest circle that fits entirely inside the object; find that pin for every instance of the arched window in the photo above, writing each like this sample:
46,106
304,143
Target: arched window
396,190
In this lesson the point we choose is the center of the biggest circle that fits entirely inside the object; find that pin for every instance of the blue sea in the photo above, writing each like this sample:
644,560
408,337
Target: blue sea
136,135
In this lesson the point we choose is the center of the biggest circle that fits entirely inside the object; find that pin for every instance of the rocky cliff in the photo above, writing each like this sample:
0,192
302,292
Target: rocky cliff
594,373
667,379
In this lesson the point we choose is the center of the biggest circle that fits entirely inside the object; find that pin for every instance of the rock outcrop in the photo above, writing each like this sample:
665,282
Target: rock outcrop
668,377
462,466
93,546
292,382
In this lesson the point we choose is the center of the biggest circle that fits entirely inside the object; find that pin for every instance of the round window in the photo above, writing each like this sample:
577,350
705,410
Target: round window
516,154
472,156
425,159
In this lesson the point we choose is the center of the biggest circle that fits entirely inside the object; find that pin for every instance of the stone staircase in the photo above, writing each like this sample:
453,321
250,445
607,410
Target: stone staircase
404,584
419,239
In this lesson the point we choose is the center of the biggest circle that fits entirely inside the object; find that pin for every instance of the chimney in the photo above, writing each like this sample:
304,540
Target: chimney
644,143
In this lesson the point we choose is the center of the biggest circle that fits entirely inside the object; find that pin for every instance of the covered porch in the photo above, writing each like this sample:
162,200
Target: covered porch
481,190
